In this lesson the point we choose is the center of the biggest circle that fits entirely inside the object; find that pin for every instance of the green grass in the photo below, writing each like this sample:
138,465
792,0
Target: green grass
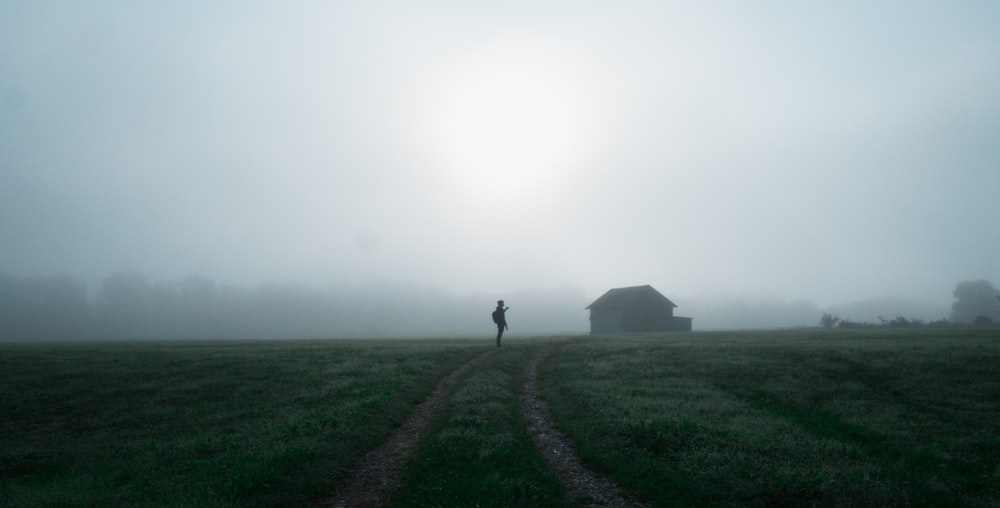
791,418
787,418
202,424
477,452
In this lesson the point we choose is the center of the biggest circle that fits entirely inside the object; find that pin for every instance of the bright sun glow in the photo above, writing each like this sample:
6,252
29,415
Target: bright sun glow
511,118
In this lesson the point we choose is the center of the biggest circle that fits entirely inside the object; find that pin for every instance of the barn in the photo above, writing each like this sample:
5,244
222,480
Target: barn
635,309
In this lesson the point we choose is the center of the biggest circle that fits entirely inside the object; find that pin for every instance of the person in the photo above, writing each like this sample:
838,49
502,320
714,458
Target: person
500,318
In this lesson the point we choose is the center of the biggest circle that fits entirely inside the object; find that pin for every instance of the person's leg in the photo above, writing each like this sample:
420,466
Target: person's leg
499,334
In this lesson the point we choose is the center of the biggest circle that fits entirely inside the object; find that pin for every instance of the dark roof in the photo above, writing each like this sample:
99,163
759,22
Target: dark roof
620,297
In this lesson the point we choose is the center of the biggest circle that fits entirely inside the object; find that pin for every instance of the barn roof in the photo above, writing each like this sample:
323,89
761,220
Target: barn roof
620,297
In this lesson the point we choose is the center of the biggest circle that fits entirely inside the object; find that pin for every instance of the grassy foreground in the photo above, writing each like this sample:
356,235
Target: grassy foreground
846,418
202,424
787,418
477,452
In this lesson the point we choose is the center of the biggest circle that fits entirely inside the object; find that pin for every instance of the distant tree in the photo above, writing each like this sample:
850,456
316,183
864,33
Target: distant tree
848,324
982,321
828,320
902,322
973,299
941,323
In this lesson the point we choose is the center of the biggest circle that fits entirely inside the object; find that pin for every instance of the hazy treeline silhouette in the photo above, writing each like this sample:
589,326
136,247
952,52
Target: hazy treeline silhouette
976,302
871,310
828,320
128,305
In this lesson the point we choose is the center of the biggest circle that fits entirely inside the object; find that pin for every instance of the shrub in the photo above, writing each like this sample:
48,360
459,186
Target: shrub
982,321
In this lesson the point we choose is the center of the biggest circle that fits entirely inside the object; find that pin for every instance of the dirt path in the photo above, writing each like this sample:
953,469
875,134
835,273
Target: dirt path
377,474
558,450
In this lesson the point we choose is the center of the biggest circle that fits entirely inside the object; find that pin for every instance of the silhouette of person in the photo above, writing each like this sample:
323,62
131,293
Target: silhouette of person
500,318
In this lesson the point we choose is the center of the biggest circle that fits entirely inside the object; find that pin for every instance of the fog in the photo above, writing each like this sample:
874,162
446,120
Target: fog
758,163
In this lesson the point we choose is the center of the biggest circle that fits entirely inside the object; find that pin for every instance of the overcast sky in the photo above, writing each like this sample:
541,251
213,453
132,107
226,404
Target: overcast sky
832,151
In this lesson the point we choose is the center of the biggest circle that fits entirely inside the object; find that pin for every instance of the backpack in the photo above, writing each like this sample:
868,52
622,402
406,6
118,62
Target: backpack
496,316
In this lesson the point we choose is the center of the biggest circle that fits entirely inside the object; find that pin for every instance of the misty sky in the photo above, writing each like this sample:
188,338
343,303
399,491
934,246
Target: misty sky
832,151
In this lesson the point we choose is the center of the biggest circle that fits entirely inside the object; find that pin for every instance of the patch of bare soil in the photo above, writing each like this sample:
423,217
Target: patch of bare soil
377,475
558,450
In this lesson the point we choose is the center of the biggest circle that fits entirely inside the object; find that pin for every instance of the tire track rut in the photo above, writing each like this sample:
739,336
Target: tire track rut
378,472
558,450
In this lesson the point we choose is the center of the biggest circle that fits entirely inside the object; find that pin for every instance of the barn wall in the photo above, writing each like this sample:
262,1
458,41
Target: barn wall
647,316
638,315
605,321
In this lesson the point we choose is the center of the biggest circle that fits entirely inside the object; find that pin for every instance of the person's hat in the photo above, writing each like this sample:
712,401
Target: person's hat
499,302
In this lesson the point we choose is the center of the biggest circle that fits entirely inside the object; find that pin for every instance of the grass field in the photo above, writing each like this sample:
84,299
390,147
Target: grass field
195,424
787,419
791,418
478,452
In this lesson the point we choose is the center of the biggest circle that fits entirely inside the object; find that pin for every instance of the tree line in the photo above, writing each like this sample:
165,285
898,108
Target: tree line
128,305
977,303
